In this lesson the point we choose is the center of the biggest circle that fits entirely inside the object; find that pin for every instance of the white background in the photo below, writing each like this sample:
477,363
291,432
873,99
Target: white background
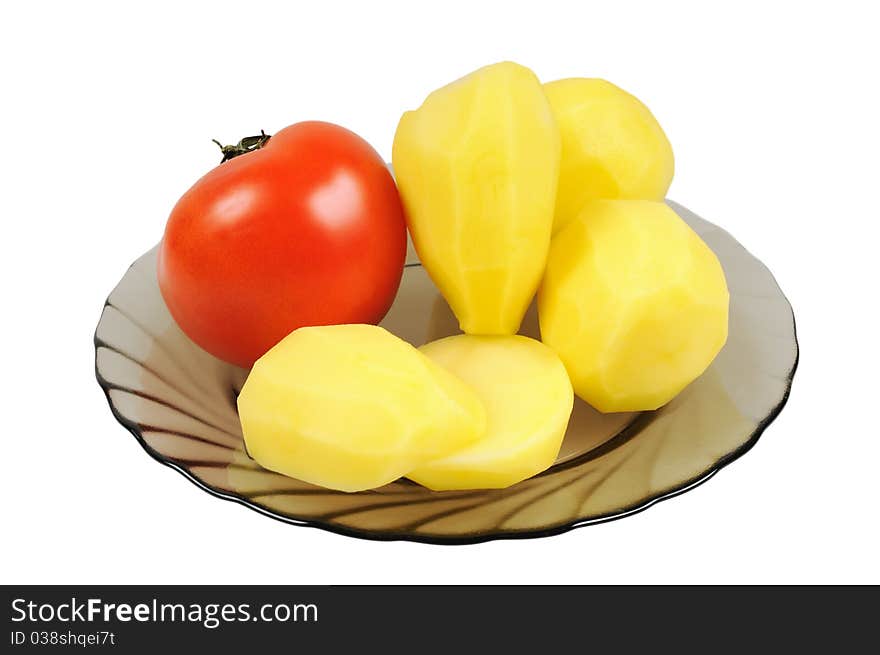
107,115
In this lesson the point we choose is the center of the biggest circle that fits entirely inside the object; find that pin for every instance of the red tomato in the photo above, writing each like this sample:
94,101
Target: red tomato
308,230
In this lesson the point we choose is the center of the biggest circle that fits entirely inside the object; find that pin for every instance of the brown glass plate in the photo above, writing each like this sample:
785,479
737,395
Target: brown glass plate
179,402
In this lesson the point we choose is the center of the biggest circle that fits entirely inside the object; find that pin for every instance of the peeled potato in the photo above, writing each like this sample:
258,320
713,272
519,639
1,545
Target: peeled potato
528,400
353,407
634,303
477,167
612,146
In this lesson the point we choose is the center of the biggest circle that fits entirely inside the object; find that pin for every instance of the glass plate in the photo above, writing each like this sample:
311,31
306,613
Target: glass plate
180,403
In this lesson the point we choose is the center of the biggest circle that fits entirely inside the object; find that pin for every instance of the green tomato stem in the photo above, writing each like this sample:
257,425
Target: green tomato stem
247,144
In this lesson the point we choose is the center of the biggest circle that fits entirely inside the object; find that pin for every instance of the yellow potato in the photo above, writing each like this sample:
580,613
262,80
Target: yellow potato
634,303
528,400
353,407
477,167
612,146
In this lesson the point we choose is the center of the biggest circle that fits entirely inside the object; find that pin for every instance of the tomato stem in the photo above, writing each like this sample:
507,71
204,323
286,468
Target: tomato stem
247,144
